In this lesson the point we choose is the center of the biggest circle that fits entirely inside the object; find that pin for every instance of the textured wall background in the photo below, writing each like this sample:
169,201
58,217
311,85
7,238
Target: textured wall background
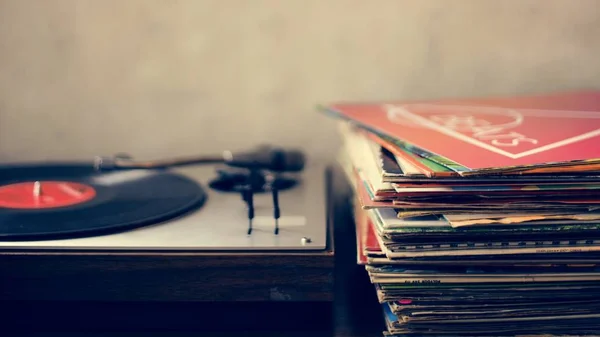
80,78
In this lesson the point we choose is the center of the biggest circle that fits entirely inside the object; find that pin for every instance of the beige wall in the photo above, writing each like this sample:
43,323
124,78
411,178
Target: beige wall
80,78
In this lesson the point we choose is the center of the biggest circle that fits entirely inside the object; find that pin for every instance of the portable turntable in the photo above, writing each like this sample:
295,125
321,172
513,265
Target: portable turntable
248,227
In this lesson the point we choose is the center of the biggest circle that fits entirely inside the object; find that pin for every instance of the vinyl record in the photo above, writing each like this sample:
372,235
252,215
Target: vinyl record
53,201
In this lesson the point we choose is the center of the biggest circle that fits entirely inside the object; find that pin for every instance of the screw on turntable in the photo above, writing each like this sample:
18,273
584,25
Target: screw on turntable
267,199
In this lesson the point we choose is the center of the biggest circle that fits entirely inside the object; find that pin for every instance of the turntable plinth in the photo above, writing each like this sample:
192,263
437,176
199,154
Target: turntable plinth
167,277
160,262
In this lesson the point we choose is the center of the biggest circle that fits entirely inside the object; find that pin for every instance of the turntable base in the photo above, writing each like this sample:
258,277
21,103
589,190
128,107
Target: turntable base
167,276
135,266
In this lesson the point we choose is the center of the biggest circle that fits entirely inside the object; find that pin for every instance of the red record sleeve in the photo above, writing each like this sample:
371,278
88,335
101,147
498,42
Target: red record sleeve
493,132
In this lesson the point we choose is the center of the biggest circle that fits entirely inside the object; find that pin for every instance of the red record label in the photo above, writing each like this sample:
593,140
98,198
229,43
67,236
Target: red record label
44,194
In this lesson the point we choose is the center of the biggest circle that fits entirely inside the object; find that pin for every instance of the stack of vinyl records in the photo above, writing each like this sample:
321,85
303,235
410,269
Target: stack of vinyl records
479,217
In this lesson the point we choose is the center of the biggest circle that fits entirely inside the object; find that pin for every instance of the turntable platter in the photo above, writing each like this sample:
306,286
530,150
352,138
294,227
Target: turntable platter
52,201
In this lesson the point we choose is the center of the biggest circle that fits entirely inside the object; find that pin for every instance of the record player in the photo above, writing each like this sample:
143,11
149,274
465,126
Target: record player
234,227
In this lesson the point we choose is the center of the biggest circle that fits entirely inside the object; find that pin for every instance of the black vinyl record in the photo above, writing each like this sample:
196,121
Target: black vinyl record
53,201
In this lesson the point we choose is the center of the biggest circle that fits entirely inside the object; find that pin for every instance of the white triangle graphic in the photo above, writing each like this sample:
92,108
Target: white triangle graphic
400,114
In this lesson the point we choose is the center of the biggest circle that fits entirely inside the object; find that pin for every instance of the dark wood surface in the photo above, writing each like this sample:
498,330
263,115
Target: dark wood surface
166,277
354,310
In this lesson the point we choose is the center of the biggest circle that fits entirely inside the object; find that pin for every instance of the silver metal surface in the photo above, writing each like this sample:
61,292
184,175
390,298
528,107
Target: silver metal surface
222,222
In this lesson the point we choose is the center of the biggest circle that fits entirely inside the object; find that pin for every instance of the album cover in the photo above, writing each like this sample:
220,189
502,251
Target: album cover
473,136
